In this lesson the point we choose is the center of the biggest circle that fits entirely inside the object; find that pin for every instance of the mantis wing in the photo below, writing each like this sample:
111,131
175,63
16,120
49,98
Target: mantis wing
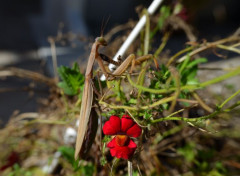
85,111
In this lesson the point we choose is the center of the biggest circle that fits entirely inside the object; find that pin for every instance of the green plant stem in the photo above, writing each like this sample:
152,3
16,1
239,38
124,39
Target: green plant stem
201,102
232,107
229,98
165,134
171,60
141,77
176,77
217,111
230,74
142,74
134,108
147,33
163,44
157,103
206,46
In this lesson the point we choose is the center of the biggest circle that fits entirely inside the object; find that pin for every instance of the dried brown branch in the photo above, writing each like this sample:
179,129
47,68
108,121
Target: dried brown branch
27,74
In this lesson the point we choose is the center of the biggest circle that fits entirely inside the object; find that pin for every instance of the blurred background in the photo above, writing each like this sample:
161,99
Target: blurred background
26,26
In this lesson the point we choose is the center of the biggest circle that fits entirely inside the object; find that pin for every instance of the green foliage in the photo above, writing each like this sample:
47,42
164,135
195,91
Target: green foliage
68,154
214,172
159,82
188,152
147,114
165,12
72,79
164,79
18,171
87,170
103,160
188,70
161,77
78,166
219,167
117,89
108,114
201,160
105,140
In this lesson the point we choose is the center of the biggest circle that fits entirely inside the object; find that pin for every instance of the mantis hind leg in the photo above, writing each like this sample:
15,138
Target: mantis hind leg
141,59
130,60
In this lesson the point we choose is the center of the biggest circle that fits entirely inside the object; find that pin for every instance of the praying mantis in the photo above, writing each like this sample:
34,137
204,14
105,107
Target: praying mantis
88,121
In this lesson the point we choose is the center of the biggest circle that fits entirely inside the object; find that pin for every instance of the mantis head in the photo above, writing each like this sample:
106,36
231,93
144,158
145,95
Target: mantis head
101,41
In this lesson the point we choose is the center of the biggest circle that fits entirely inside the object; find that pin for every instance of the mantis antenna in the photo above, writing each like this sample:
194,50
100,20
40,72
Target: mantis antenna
151,9
104,24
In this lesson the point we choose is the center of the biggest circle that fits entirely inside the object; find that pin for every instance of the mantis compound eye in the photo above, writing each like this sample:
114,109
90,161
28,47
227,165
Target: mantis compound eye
101,41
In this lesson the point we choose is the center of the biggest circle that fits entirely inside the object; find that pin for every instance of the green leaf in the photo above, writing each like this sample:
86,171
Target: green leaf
147,114
68,154
106,139
220,167
192,81
72,79
165,13
103,161
184,64
188,70
165,106
191,76
214,173
188,152
196,62
132,101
